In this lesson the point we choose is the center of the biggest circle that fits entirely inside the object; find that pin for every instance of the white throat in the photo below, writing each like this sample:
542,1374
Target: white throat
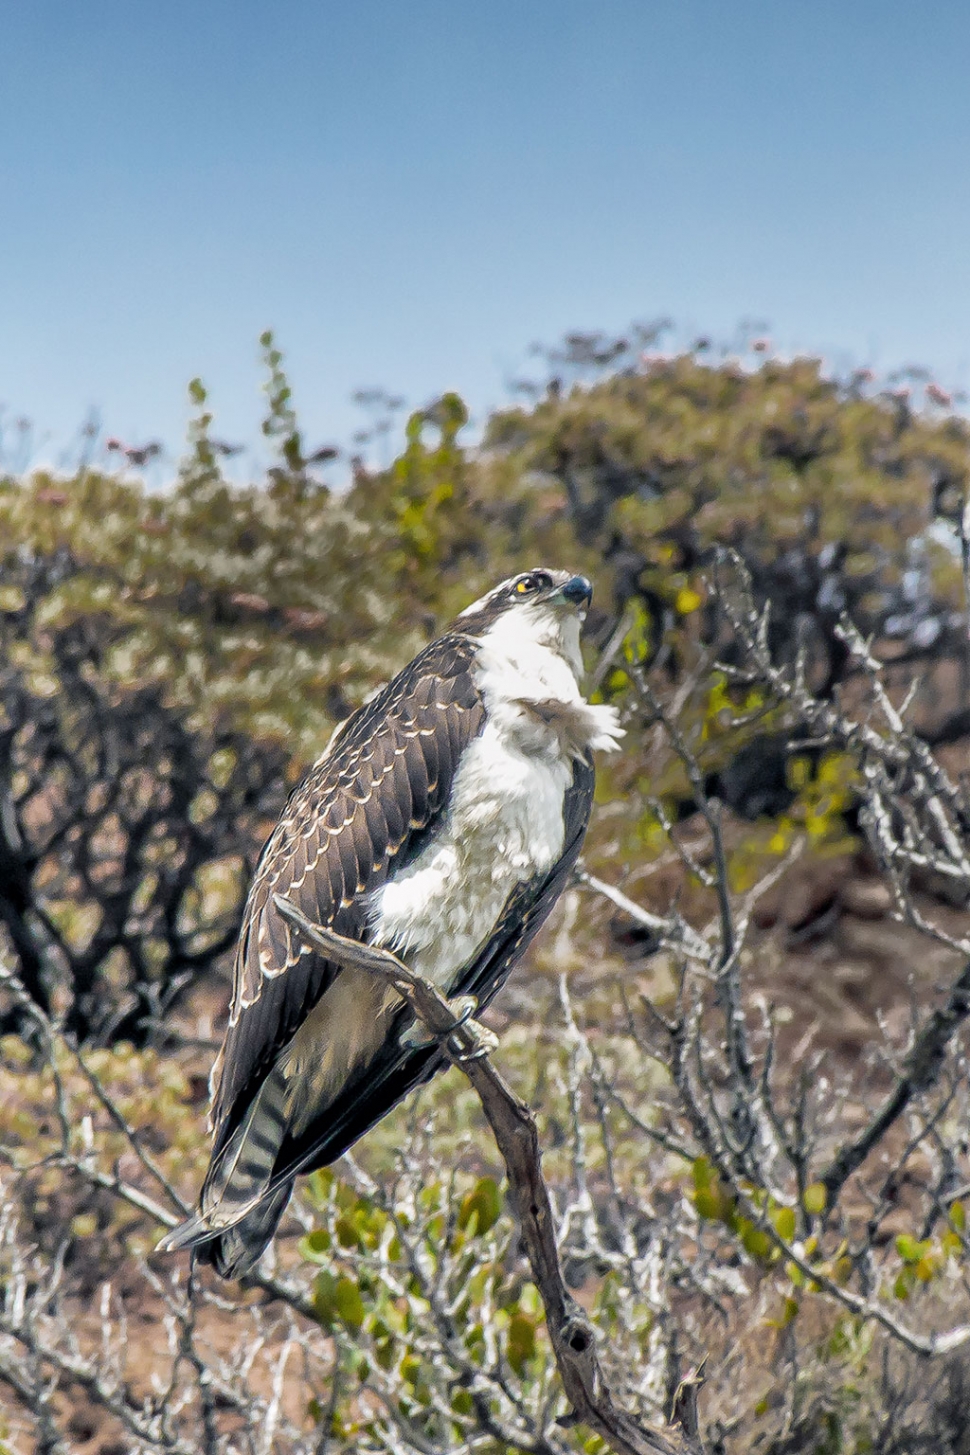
505,822
522,632
528,671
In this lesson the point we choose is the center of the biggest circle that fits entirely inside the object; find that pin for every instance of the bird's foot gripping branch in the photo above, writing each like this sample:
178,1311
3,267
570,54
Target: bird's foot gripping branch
570,1331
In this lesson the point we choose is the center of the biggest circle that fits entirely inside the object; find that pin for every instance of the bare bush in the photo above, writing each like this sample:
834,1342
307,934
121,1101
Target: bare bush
126,835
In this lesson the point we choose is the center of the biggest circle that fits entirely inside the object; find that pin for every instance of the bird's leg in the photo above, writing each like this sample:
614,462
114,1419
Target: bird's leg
463,1008
426,1000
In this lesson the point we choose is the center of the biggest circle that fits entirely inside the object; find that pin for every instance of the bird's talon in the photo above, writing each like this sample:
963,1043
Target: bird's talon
485,1041
463,1007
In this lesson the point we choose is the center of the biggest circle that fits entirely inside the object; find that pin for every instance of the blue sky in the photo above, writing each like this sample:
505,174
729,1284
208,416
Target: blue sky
410,194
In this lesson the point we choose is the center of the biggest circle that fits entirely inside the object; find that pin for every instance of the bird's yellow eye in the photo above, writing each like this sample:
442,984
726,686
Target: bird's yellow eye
535,581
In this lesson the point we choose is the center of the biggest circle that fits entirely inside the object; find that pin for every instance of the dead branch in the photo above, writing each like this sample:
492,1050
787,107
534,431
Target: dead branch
570,1331
922,1069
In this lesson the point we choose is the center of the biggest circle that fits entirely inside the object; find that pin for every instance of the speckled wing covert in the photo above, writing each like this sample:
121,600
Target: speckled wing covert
363,810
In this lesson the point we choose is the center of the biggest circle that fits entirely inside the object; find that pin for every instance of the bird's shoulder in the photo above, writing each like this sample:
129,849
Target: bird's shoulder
439,682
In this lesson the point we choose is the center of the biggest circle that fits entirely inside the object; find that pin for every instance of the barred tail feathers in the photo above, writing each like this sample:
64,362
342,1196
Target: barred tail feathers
244,1168
237,1250
237,1214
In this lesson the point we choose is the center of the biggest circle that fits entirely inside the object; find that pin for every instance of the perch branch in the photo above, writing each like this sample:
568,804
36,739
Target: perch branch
571,1334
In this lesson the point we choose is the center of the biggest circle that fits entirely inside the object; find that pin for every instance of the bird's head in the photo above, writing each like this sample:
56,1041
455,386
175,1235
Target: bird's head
541,606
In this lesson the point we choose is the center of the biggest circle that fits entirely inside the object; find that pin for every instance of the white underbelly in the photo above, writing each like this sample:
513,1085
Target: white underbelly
504,827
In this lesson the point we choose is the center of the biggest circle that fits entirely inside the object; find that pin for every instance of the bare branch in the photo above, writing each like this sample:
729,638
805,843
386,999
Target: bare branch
922,1069
516,1135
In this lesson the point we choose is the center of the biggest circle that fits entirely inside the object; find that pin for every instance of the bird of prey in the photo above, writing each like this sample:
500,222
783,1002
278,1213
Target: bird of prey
441,823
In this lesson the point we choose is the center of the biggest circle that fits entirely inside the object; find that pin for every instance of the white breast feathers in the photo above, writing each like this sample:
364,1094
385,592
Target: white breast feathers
504,824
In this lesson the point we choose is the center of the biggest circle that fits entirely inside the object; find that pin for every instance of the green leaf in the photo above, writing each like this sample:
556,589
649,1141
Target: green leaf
795,1275
349,1304
910,1249
703,1172
784,1220
483,1204
348,1235
338,1298
815,1198
756,1241
521,1342
903,1285
315,1247
324,1298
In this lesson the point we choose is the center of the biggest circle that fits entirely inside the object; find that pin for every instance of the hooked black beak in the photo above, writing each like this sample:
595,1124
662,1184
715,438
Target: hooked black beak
577,590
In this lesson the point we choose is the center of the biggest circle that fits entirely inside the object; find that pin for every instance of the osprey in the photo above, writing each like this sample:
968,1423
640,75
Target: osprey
441,822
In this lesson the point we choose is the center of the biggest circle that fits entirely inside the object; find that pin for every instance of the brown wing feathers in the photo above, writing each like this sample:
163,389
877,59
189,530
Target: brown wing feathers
334,845
400,1068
